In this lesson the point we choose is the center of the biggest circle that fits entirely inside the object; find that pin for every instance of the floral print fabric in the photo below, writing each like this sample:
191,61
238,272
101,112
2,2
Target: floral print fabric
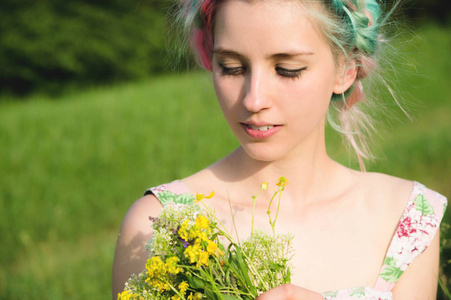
416,229
363,293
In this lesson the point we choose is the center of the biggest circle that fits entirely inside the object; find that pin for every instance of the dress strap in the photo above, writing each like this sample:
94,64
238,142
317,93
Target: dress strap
174,192
416,229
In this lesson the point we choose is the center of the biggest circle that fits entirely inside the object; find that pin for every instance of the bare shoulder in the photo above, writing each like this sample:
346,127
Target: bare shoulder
136,221
386,198
419,281
130,255
389,191
202,181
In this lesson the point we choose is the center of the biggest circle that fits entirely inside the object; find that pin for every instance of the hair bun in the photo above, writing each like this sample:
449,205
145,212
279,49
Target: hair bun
363,21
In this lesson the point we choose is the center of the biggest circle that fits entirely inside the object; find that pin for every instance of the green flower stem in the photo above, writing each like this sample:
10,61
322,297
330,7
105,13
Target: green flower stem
209,276
237,273
236,292
444,288
254,271
218,288
277,213
219,264
233,218
213,283
174,289
214,215
254,199
227,236
269,212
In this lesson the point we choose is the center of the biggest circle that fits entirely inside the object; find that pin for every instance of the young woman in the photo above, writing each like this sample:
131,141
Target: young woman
279,68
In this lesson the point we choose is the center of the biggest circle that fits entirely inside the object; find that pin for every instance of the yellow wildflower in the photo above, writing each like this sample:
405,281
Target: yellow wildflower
264,186
282,183
182,230
158,284
219,253
155,267
194,232
125,295
201,237
171,265
203,259
211,247
196,296
183,287
192,252
199,197
157,270
202,222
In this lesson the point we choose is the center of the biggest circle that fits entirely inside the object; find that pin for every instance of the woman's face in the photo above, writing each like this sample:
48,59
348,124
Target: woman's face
274,75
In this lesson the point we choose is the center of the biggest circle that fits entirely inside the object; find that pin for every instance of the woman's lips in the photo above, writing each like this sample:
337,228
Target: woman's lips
260,131
260,128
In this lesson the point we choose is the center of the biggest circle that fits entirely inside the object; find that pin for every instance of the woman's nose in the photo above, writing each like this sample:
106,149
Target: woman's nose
257,96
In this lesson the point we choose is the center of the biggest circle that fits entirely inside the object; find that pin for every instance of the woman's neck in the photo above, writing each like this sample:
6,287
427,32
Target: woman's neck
312,175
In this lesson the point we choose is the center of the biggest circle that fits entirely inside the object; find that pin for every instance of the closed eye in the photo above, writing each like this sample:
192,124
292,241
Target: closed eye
239,70
290,73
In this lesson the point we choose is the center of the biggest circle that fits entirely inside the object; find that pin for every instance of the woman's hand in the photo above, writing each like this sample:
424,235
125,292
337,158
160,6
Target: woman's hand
290,292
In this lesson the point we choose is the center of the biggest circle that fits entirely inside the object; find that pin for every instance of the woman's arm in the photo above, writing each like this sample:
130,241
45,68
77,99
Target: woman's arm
130,256
290,292
419,281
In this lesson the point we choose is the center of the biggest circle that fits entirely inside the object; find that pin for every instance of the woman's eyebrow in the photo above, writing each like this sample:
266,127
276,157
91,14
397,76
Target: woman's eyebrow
227,52
290,54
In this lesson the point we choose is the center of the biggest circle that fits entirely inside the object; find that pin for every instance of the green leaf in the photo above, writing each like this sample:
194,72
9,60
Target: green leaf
287,277
184,199
167,197
195,282
227,277
251,257
360,291
245,271
390,261
331,294
391,274
423,205
230,297
212,295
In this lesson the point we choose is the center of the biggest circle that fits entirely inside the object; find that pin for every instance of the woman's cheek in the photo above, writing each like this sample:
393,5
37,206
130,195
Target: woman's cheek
227,92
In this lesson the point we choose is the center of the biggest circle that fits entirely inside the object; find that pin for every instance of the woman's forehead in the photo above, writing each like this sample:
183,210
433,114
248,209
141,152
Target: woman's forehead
271,24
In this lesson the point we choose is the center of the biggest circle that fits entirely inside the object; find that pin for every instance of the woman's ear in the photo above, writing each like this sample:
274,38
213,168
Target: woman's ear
346,76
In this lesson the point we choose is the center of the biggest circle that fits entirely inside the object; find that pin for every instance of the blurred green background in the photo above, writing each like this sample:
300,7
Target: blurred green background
91,114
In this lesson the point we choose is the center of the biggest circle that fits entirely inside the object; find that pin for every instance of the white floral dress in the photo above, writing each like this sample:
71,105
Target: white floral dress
416,229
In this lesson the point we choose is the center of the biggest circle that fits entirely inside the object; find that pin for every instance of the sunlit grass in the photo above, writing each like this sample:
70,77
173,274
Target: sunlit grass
72,167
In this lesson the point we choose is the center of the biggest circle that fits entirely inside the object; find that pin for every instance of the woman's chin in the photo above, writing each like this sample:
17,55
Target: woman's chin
263,153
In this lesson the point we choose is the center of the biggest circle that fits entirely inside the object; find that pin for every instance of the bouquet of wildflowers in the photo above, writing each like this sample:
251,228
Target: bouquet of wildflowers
188,260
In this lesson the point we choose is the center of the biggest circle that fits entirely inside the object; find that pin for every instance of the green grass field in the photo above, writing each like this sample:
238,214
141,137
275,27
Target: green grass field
71,167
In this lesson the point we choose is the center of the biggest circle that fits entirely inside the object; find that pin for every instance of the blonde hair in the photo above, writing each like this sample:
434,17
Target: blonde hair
352,28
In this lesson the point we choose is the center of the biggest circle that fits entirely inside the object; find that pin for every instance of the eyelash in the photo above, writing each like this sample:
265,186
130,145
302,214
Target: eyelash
225,71
235,71
290,73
